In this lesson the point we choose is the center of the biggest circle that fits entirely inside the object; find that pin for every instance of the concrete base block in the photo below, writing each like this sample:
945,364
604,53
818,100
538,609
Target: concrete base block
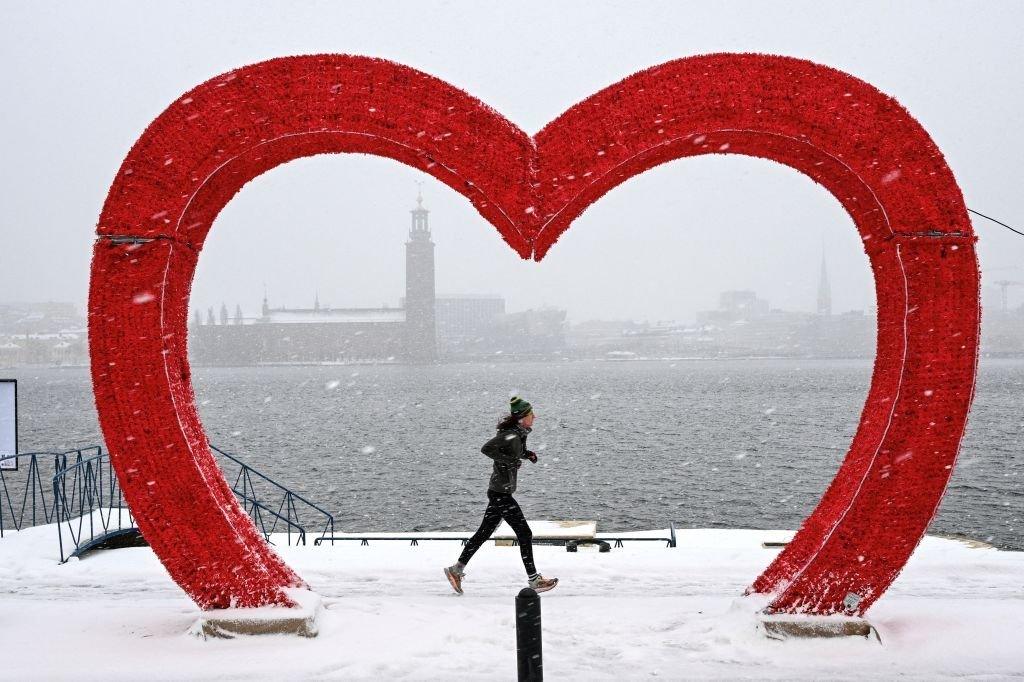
301,621
784,627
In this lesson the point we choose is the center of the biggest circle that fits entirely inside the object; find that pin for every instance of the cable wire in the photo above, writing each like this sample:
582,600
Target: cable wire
996,222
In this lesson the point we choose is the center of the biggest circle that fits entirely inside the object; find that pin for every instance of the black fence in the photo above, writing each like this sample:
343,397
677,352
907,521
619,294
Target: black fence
79,492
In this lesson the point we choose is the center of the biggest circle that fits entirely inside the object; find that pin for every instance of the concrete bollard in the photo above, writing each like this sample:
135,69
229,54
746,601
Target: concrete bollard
528,643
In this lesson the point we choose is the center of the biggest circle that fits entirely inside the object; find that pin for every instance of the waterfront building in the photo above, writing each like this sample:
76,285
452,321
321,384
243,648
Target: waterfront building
39,318
51,333
324,334
422,328
467,324
734,306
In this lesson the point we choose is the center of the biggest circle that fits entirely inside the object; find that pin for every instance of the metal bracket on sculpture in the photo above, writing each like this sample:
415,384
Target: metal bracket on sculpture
934,234
122,239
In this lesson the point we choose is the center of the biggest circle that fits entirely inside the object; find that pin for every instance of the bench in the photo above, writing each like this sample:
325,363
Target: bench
571,534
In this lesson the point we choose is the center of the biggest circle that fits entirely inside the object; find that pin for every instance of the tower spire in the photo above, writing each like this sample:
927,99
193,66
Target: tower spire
420,229
420,324
824,288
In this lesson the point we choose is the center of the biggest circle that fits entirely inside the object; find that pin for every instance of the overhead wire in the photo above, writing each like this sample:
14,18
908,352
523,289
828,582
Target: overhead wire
997,222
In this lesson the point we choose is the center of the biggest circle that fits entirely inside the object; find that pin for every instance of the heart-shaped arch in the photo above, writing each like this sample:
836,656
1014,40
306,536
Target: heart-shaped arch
843,133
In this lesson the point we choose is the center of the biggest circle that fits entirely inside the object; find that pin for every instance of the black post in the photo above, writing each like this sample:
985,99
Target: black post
528,644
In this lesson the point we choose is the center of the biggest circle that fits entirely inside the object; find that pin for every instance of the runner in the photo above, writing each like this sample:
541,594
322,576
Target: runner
508,450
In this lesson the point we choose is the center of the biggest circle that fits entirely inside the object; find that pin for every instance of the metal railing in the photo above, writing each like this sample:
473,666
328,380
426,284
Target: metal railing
83,497
26,496
89,504
264,499
571,544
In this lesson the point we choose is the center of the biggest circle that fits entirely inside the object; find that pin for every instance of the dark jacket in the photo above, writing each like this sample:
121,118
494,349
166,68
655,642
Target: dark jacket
508,450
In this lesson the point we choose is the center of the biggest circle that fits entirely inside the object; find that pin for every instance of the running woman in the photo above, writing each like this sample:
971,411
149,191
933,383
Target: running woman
508,450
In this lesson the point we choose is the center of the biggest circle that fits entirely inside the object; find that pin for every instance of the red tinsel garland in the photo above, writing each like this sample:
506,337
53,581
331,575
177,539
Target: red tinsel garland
858,143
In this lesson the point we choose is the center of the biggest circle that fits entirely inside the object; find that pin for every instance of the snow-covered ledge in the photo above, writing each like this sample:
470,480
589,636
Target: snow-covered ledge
301,620
784,626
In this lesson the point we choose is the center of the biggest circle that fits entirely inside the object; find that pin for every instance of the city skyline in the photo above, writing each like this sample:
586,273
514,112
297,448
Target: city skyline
661,246
387,290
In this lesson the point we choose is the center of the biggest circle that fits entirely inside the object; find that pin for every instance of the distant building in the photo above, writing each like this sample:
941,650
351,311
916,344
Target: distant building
824,289
324,334
467,315
320,334
745,325
302,335
477,326
57,349
537,332
50,333
39,318
734,306
460,327
420,322
466,324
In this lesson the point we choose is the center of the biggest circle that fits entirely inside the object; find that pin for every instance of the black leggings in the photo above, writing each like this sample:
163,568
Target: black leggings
503,506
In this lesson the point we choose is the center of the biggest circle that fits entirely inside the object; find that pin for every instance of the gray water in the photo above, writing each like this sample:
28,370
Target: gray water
633,445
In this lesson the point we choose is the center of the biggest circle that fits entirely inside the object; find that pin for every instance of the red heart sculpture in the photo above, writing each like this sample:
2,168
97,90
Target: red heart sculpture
840,131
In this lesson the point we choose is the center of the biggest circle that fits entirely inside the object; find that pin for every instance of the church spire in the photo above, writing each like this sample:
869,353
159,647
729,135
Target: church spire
824,289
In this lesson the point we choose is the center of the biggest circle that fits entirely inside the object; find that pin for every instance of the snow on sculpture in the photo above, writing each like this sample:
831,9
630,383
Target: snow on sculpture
861,145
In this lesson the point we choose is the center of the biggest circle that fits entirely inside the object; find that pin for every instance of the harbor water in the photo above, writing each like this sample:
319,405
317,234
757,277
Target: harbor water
631,444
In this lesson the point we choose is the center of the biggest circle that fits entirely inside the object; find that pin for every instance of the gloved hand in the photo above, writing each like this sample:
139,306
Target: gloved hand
532,456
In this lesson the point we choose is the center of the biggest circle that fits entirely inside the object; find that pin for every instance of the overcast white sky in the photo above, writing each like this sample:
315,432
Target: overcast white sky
79,82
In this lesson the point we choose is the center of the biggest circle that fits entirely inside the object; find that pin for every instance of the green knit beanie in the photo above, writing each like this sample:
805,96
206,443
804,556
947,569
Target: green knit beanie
520,408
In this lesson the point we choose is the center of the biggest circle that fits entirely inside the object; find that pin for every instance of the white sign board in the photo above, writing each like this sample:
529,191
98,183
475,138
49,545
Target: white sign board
8,422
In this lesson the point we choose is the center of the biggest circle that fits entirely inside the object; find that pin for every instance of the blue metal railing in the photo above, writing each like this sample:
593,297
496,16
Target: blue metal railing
83,497
25,498
263,497
89,504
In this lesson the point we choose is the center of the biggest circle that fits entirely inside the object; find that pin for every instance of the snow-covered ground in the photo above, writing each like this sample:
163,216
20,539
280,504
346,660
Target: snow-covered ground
641,611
